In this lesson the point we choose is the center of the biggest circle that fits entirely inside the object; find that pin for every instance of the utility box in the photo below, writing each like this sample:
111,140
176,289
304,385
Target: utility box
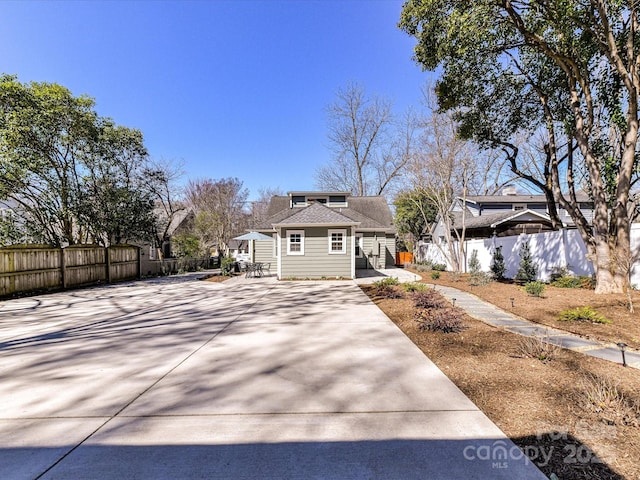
375,247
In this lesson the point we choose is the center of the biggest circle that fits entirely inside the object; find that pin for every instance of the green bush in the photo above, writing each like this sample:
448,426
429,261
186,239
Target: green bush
528,271
582,314
226,265
474,263
534,288
435,275
568,281
413,287
498,267
440,267
388,281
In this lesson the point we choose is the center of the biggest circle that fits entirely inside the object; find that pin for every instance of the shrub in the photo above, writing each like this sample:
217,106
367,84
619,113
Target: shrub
447,320
534,288
413,287
582,314
426,299
498,268
474,263
601,395
388,281
226,265
387,291
477,276
527,272
569,281
539,347
440,267
386,288
435,275
480,279
423,268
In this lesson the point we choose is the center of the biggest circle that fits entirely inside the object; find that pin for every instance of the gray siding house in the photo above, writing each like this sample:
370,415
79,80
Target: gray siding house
484,216
326,234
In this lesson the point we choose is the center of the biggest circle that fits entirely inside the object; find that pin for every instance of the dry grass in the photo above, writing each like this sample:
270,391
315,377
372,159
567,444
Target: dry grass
538,347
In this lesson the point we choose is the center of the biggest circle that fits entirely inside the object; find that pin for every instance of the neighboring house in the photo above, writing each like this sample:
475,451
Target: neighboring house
326,234
238,247
504,215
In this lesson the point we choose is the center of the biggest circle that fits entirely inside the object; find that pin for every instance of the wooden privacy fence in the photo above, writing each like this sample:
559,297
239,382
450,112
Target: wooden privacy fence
31,268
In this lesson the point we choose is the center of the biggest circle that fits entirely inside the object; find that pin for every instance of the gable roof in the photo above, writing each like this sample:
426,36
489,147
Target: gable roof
495,219
492,199
367,213
316,214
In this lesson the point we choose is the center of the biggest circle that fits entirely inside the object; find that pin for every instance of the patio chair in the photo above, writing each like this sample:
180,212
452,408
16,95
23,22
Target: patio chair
266,267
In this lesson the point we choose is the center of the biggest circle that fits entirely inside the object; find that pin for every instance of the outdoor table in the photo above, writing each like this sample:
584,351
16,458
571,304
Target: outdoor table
254,270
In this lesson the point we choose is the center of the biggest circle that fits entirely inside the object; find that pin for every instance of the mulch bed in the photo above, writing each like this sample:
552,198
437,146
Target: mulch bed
543,406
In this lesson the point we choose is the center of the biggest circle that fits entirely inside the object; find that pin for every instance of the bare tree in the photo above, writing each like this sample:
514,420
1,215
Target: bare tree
219,210
440,173
359,135
260,206
448,167
163,182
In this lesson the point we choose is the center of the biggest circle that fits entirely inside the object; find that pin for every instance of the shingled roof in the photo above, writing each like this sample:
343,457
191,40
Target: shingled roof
368,213
317,214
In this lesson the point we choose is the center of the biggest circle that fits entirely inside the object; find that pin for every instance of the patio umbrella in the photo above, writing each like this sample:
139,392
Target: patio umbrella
253,236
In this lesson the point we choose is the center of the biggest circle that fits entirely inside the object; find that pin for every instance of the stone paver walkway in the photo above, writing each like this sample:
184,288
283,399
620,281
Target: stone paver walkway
497,317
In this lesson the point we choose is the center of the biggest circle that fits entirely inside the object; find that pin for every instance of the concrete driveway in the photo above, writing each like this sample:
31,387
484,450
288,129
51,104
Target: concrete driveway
180,378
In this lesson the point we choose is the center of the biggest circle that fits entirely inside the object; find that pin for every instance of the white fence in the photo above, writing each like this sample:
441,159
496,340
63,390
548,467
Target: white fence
550,250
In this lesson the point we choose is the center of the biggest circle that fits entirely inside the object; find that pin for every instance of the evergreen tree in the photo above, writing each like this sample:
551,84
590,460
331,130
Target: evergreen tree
498,267
527,272
474,263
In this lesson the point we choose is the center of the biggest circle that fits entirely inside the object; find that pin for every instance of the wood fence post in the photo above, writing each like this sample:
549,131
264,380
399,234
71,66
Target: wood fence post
107,262
63,268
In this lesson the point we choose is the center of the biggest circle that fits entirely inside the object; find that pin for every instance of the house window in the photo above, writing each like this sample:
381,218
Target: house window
275,245
359,245
519,206
337,241
295,242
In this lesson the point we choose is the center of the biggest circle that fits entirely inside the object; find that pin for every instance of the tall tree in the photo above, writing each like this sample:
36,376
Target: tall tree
219,209
69,175
163,177
569,68
359,129
442,172
414,212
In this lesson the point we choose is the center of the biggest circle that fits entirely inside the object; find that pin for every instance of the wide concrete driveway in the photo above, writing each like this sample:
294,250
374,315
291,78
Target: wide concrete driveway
179,378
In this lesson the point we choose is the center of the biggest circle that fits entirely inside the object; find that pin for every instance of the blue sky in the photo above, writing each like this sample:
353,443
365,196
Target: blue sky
230,88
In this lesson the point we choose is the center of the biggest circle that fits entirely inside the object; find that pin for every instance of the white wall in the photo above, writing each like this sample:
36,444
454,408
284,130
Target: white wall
549,250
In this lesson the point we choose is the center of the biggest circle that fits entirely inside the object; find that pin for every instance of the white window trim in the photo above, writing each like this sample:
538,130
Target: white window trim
360,243
275,245
294,232
343,232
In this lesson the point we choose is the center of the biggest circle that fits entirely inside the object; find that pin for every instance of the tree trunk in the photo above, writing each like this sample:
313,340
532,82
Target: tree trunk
611,264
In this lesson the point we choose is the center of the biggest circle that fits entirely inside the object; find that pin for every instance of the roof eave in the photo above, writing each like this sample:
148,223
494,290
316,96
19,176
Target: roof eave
302,225
519,214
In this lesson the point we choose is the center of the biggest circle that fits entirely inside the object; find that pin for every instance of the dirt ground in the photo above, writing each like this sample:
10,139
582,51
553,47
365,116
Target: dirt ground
573,415
217,278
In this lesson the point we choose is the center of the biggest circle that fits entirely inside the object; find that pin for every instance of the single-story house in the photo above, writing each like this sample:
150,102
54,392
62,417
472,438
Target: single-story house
326,234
